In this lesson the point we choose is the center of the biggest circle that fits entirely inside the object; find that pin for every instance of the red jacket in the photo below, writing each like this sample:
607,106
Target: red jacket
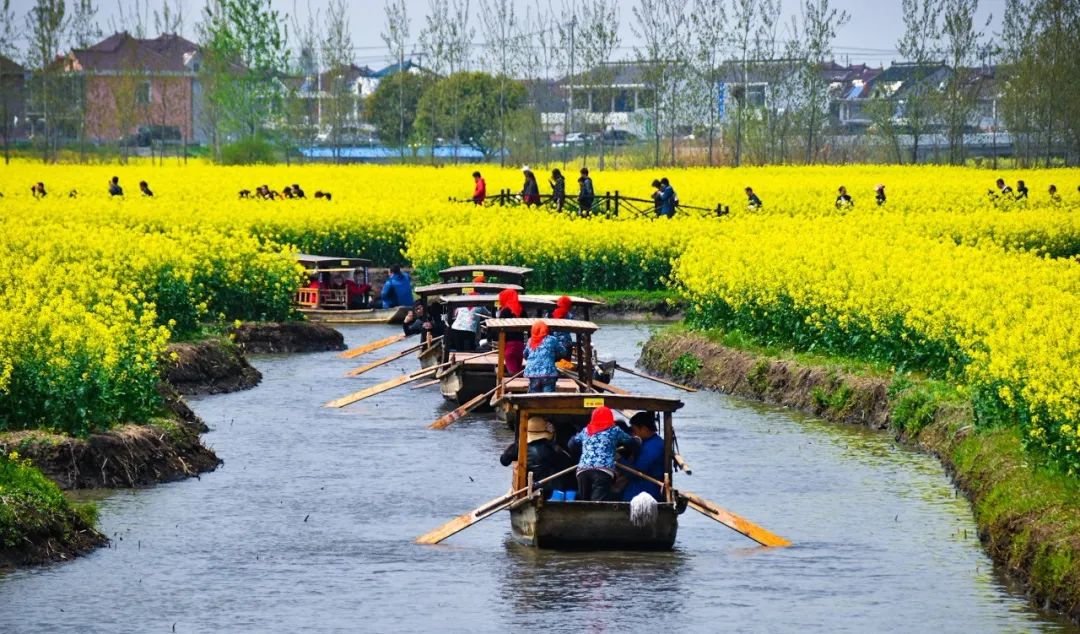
480,192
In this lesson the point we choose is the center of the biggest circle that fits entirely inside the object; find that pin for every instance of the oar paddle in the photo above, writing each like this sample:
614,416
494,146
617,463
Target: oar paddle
469,406
371,347
383,387
465,520
642,375
733,521
420,386
724,516
383,361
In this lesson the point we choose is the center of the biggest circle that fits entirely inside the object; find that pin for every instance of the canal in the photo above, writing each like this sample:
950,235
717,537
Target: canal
309,526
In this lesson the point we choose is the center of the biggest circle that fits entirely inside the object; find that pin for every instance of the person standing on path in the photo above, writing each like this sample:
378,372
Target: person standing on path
530,191
586,194
479,189
668,198
558,189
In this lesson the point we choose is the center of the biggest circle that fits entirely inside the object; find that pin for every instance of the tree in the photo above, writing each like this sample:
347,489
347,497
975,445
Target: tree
660,25
336,50
11,81
85,30
918,46
960,45
392,108
447,39
477,96
244,55
500,22
597,34
396,36
46,27
709,17
819,25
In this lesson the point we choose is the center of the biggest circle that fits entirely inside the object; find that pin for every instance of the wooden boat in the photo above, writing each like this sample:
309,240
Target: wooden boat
586,525
430,295
331,305
490,273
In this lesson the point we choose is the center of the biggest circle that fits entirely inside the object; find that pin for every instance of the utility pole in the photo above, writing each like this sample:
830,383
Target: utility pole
569,120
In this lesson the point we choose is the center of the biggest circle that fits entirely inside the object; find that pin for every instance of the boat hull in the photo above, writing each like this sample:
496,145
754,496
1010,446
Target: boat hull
358,316
461,384
430,356
590,526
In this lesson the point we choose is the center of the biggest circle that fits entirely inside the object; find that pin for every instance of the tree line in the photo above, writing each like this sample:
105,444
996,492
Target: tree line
490,64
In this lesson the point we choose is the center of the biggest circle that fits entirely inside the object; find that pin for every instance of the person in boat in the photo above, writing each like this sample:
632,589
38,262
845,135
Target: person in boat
397,291
314,282
465,326
544,456
562,310
357,294
648,460
598,443
421,320
510,308
541,352
114,187
479,189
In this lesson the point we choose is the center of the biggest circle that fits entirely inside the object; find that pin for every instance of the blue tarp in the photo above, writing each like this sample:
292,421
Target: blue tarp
385,153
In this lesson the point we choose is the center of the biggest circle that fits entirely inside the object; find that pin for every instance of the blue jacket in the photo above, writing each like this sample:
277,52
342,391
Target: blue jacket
541,361
650,461
397,291
667,201
598,450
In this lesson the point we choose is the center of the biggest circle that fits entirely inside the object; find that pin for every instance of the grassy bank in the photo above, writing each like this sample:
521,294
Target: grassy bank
1028,516
37,522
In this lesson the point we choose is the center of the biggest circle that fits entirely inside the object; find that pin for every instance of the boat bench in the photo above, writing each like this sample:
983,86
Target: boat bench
520,385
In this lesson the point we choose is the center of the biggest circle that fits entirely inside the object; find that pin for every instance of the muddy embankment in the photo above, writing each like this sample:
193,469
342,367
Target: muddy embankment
638,309
1026,519
165,450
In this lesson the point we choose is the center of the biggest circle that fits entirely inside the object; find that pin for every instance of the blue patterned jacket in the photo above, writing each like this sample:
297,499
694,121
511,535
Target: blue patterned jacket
541,361
598,450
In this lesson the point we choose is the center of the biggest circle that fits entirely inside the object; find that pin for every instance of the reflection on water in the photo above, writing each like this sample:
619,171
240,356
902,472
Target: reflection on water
309,526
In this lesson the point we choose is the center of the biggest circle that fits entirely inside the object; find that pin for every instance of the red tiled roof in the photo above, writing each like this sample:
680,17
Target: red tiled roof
121,51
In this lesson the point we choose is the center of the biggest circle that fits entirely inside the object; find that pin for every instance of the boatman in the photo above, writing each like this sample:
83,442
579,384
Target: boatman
397,291
649,459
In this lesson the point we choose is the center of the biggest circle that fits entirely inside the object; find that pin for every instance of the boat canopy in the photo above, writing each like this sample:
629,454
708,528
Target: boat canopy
525,324
527,301
464,288
574,299
553,403
330,263
465,273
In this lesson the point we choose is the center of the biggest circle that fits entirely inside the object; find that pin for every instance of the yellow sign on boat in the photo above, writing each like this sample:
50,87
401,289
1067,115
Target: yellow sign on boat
477,273
594,402
467,291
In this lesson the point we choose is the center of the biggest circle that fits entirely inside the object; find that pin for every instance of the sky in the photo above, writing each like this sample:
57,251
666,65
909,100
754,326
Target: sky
869,37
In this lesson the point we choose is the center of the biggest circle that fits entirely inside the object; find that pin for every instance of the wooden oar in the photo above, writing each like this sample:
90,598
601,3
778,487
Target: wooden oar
724,516
420,386
469,406
733,521
657,379
371,347
382,387
465,520
383,361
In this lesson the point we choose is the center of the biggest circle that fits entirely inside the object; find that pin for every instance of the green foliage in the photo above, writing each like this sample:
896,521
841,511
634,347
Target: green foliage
757,377
686,367
254,150
397,93
833,399
29,502
471,101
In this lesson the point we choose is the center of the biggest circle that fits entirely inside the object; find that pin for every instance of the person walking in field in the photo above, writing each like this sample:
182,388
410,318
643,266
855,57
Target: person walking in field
753,203
1021,190
479,189
145,189
37,190
1055,197
879,195
558,189
843,200
114,187
586,194
669,200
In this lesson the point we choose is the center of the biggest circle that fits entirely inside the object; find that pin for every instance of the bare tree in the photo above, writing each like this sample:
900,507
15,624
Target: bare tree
597,34
12,89
396,36
85,29
661,26
819,25
170,18
960,43
47,24
709,18
918,45
503,54
336,52
447,40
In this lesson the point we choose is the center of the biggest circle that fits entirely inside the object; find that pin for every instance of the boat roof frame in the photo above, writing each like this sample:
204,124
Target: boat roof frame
338,262
525,324
464,288
541,403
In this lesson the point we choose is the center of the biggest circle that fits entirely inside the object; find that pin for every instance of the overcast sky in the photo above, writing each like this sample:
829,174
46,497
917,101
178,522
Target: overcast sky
869,37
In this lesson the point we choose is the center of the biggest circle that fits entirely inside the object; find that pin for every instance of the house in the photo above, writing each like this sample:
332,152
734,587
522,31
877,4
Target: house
130,83
13,95
849,88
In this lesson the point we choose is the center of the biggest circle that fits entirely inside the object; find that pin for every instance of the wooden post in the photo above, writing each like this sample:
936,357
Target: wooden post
616,205
500,366
607,203
669,436
586,359
523,449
